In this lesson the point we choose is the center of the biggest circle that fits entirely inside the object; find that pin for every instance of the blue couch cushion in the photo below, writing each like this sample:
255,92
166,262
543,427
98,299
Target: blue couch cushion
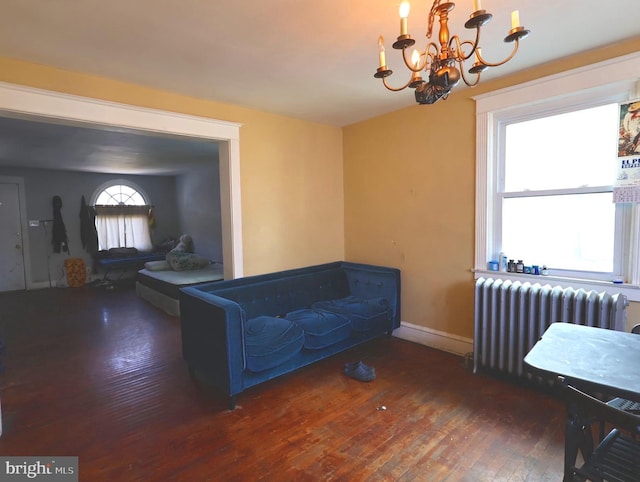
271,341
366,315
321,328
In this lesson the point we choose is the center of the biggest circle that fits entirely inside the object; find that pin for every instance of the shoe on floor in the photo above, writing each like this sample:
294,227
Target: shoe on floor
360,371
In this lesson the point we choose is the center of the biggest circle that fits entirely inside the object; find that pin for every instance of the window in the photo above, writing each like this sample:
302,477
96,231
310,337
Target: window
118,195
122,217
555,192
546,159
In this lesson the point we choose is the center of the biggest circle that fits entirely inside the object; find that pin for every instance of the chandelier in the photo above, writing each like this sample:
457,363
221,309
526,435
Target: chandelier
444,63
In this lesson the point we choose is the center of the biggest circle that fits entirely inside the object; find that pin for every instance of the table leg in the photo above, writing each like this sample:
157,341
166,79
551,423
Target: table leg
578,437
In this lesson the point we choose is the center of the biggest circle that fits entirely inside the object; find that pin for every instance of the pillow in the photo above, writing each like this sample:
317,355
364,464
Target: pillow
166,245
161,265
186,261
185,245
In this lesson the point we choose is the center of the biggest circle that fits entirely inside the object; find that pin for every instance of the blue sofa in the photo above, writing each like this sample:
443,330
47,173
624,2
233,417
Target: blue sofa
242,332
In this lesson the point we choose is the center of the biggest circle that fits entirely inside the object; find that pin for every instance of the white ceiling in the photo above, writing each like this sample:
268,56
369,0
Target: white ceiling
310,60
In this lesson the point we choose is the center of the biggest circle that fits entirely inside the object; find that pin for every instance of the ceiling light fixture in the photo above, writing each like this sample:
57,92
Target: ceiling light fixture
444,63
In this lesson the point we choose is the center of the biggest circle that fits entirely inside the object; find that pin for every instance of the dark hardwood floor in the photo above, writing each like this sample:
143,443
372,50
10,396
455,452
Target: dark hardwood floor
99,375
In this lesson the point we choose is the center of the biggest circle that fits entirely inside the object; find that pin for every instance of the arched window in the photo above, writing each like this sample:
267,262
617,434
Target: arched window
120,194
123,214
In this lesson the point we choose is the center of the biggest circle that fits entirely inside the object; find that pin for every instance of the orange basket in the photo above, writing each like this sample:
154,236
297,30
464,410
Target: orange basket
76,271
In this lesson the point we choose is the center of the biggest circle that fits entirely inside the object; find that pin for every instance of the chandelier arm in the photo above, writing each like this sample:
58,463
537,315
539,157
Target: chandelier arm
395,89
464,77
426,55
458,45
513,53
475,44
432,45
457,48
409,65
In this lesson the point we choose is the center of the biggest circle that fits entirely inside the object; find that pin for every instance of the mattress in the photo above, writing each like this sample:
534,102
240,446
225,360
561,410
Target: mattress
162,288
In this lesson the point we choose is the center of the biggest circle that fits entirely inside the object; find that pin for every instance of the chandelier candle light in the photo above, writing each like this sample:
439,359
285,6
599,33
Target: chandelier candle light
444,64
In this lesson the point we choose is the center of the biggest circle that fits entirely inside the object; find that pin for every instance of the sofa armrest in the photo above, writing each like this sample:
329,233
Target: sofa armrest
213,338
369,281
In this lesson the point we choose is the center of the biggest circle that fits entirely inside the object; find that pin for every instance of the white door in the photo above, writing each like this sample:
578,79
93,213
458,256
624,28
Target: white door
11,256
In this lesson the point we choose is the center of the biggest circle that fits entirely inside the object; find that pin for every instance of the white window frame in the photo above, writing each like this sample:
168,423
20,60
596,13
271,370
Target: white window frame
612,81
120,182
117,182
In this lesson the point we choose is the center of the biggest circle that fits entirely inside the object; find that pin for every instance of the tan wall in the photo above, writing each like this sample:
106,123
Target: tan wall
410,196
291,170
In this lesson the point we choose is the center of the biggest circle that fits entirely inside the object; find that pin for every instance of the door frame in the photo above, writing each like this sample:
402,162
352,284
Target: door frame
24,226
28,103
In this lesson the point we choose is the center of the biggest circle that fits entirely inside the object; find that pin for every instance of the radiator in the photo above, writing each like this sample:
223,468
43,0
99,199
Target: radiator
509,317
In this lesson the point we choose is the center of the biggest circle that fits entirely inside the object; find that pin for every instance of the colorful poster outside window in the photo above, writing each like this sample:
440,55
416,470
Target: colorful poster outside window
627,186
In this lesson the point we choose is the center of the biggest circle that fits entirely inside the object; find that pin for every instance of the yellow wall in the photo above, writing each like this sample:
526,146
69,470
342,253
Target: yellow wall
410,196
291,170
409,203
633,315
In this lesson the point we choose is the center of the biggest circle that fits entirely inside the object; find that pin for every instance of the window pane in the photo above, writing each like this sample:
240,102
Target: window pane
125,195
569,150
120,194
573,232
136,200
103,199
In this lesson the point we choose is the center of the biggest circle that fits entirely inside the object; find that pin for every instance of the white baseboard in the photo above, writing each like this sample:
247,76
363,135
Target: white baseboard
62,282
39,285
435,339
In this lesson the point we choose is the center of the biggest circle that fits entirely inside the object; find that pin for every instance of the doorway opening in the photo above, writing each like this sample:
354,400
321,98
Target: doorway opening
45,106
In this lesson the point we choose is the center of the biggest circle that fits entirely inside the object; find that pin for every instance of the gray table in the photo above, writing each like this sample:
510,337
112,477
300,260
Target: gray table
595,360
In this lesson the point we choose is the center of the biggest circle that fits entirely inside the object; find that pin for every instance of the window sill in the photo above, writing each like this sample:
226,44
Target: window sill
632,292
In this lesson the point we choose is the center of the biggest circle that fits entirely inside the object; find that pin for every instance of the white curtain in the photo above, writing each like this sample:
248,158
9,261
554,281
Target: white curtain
123,227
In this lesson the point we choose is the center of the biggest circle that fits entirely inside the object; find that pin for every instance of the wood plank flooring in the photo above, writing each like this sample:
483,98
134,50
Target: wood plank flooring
99,375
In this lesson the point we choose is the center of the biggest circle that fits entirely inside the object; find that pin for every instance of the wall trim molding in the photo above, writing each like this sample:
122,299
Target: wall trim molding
41,285
616,73
458,345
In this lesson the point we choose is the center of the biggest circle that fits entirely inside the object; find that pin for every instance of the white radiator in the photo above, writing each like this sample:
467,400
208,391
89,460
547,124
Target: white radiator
509,318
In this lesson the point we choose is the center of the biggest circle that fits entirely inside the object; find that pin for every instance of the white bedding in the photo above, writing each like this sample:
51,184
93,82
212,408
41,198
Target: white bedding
163,287
212,272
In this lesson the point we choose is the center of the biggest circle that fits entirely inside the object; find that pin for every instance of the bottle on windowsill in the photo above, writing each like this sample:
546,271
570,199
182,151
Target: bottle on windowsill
519,266
504,263
544,271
